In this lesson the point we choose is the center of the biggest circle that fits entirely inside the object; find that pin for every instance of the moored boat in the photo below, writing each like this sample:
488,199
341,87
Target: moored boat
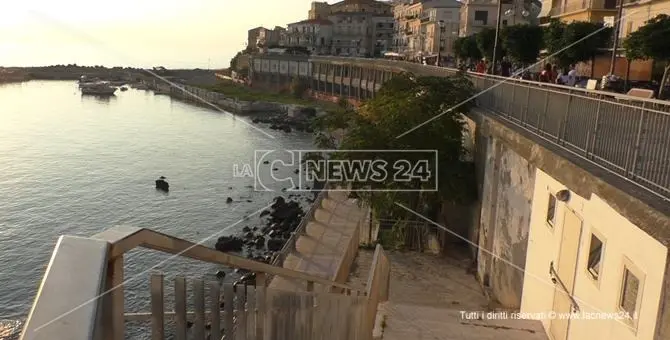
99,89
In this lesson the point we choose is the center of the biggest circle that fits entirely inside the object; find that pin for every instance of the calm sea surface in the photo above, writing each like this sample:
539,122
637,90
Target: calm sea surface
77,165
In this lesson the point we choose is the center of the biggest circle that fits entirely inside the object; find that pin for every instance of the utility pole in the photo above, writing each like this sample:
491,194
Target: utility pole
495,43
615,44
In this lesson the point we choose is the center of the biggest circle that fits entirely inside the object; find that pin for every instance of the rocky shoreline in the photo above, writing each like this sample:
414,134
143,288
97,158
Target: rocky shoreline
263,243
200,96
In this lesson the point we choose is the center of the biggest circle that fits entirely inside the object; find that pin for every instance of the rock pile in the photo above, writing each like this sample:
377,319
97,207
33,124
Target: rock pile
283,122
262,243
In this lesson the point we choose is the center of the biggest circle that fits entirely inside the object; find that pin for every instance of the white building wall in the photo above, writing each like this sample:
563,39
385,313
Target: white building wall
623,243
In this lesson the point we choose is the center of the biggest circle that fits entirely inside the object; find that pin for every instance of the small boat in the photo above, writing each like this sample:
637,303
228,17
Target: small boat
99,89
85,82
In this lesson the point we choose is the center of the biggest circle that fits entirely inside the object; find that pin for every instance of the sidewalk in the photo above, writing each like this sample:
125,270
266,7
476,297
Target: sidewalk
428,294
328,239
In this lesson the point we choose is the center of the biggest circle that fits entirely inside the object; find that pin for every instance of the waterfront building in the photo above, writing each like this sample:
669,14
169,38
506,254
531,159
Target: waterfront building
313,34
260,37
322,10
479,14
418,24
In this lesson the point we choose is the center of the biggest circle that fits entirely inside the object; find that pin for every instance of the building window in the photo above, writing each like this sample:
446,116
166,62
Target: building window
482,16
504,22
629,292
595,256
551,210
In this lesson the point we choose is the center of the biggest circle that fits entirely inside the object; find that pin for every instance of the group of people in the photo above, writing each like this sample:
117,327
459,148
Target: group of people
550,73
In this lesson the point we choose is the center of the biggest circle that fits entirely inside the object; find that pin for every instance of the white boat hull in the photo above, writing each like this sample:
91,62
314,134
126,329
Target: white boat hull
100,91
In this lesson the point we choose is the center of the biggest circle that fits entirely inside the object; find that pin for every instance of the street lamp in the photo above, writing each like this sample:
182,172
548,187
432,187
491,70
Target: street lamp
509,13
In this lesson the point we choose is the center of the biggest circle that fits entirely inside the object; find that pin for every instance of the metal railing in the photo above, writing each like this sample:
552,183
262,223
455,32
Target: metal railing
626,135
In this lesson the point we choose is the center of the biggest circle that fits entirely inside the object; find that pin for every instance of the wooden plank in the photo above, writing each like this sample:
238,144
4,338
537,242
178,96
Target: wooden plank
260,307
214,307
309,316
180,307
251,313
228,295
115,281
241,329
199,306
157,309
128,238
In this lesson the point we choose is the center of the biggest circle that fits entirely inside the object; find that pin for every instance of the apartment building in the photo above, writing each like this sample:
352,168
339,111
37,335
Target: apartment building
479,14
263,37
359,34
418,24
584,257
578,10
313,34
323,9
440,25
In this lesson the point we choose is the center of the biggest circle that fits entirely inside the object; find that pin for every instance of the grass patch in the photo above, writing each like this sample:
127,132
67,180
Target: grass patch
245,93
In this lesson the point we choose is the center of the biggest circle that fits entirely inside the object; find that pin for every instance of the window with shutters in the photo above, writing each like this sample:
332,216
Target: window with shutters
631,288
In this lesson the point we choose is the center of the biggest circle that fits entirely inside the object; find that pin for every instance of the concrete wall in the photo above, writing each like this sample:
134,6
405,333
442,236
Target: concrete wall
504,223
624,243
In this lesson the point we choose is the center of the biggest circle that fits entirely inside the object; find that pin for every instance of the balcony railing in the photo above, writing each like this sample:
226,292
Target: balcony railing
584,5
625,135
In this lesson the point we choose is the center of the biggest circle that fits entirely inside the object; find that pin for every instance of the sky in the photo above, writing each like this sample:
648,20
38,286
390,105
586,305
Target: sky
137,33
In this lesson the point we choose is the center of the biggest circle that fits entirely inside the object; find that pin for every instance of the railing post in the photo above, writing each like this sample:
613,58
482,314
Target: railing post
524,113
540,125
116,323
595,129
636,150
563,127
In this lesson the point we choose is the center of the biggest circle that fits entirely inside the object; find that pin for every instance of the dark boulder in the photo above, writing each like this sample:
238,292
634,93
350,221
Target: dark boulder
275,244
246,229
229,243
229,200
264,212
162,184
278,202
286,211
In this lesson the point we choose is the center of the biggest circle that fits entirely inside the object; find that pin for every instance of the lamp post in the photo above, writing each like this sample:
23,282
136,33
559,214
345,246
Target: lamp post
440,25
615,44
495,43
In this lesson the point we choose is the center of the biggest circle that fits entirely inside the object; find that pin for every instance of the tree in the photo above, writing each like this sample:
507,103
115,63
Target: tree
575,42
633,49
466,48
403,102
649,42
298,87
523,42
486,39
